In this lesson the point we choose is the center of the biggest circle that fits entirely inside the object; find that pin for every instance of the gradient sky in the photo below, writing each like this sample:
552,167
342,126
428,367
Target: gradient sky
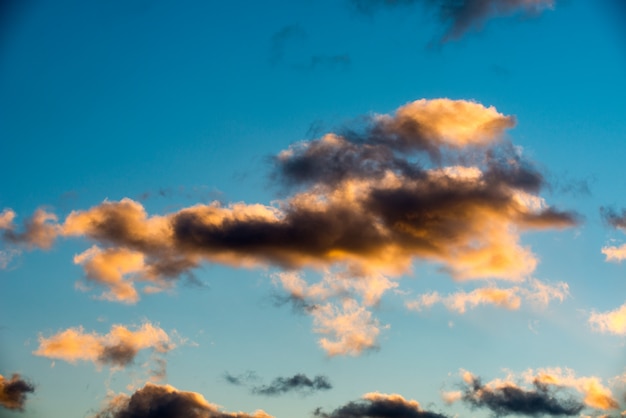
332,208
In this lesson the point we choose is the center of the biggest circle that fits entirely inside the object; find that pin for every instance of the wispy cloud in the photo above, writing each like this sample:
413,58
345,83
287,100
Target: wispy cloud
157,401
462,16
536,292
611,322
14,392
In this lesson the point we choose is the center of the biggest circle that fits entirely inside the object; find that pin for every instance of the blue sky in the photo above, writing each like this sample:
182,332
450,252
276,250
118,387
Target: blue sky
219,121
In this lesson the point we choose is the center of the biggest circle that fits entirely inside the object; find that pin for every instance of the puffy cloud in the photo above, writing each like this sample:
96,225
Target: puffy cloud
614,253
612,322
379,405
510,298
118,348
156,401
506,398
595,394
462,16
13,392
351,328
40,230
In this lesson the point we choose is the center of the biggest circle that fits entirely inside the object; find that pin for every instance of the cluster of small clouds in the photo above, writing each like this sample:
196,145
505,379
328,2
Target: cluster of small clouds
462,16
14,392
551,391
299,383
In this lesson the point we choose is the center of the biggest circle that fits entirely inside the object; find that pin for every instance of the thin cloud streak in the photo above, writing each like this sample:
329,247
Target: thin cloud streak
460,17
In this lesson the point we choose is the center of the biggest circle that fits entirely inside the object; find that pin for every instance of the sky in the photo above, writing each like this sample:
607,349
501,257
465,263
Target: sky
330,208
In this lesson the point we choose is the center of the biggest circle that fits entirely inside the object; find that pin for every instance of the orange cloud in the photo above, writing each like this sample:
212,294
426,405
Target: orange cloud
511,298
118,348
453,123
612,322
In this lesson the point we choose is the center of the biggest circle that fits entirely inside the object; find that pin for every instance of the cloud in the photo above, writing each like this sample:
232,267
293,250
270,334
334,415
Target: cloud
117,349
40,230
350,328
462,16
595,394
618,221
367,206
537,293
296,383
506,398
379,405
612,322
436,180
299,382
14,391
281,38
156,401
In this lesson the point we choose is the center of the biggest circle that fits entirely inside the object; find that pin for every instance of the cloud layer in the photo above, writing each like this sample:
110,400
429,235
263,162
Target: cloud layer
14,391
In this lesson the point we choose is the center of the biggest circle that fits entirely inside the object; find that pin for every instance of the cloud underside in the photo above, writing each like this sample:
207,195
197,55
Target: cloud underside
157,401
554,392
116,349
14,392
434,181
379,405
461,16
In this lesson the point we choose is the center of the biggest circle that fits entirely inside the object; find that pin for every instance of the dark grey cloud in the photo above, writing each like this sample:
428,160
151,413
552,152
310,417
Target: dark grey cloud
379,406
461,16
155,401
614,218
281,38
120,355
297,383
14,391
509,399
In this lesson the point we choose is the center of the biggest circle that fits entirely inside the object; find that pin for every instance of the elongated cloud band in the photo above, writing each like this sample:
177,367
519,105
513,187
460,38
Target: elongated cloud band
368,204
509,298
157,401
